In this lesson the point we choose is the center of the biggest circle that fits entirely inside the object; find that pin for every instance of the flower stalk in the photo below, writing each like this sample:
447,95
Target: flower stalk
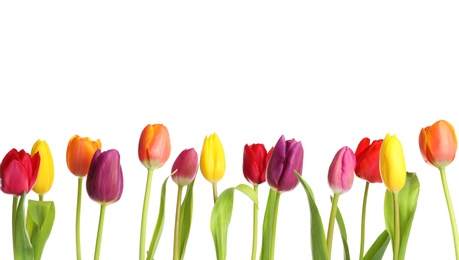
331,224
362,223
450,211
143,226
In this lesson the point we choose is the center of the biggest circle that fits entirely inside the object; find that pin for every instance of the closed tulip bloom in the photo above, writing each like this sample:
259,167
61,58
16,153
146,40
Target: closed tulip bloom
18,172
367,158
392,163
185,167
80,151
287,156
255,161
341,171
105,178
46,170
438,144
213,163
154,146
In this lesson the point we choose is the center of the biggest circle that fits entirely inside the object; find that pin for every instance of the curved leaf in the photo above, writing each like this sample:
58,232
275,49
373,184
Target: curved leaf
267,225
159,223
221,216
377,250
185,219
23,249
342,230
318,239
40,220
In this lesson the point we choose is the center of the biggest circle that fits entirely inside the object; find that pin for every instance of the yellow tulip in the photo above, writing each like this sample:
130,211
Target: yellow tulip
392,163
212,162
46,169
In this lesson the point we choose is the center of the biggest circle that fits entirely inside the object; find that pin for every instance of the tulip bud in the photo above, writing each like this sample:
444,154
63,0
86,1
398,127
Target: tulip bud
105,177
286,158
213,163
341,171
46,170
154,146
80,151
18,172
185,167
438,144
255,161
367,158
392,163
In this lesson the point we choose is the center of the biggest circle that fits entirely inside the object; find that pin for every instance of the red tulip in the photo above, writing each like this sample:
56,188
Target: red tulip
255,162
19,172
438,144
367,156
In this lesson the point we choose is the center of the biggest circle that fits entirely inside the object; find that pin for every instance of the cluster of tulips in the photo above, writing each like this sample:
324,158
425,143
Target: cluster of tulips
380,160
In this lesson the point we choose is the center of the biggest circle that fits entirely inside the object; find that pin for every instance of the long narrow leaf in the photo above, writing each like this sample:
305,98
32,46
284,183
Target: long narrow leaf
377,250
407,201
221,217
23,249
318,239
159,224
342,230
267,225
185,219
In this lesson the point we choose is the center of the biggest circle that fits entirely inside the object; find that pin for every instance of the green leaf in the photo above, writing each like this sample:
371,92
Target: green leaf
377,250
267,225
342,230
40,220
23,249
407,201
221,217
159,223
185,219
318,239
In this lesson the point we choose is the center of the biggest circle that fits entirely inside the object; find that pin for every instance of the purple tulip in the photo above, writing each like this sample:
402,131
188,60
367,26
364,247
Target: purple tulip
185,167
104,183
341,171
287,156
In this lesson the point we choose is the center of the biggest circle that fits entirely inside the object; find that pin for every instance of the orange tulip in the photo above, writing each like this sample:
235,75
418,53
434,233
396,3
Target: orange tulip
80,151
154,146
438,144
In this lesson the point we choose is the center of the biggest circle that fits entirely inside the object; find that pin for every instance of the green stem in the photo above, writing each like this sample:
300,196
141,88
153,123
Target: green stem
40,197
451,211
99,231
362,224
331,224
13,216
255,226
396,227
77,220
143,226
273,230
214,188
176,255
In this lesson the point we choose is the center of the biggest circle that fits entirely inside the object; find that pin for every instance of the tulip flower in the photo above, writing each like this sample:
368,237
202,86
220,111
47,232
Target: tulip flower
80,151
154,150
46,170
18,174
367,168
255,161
213,163
340,179
184,171
104,185
285,160
287,157
438,145
393,174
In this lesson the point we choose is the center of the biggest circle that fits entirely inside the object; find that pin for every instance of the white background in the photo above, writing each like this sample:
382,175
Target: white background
326,73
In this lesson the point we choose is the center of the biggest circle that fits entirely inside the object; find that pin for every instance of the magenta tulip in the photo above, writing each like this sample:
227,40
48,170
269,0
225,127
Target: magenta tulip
19,172
185,167
342,170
